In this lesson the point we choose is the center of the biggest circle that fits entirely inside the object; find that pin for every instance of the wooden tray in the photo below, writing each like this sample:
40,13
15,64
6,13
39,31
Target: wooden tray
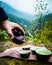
14,52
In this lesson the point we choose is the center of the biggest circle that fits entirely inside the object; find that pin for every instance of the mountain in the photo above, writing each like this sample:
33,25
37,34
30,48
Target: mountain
16,16
17,13
20,21
48,17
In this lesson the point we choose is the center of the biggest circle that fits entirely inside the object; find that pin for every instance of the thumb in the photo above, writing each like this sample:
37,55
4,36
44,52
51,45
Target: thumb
10,33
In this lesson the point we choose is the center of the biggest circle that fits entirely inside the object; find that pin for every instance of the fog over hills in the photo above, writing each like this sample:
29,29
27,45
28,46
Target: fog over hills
17,13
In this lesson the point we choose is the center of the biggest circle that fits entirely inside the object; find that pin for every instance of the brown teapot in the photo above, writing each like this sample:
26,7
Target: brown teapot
18,36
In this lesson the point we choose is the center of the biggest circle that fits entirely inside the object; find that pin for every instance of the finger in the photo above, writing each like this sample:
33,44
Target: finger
21,29
10,33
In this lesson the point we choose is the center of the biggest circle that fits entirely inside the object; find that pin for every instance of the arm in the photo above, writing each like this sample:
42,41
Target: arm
7,25
3,15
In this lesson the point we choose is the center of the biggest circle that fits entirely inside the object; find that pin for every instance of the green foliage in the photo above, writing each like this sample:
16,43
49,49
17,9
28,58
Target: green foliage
41,10
4,36
47,32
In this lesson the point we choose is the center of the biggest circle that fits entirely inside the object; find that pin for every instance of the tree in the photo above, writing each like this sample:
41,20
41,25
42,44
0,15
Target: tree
40,9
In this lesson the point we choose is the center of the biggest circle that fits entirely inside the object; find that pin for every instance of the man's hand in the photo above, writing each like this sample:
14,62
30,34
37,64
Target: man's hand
8,26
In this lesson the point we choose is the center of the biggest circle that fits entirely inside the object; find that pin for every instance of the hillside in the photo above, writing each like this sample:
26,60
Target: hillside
48,17
21,17
20,21
16,16
17,13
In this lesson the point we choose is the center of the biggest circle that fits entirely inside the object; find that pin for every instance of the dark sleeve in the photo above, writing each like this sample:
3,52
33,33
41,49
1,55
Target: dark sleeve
3,15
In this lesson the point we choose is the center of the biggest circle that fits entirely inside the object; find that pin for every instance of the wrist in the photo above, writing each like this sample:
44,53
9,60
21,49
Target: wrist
2,24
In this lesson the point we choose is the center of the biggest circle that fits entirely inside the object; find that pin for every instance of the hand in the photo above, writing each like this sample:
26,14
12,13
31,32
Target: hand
8,26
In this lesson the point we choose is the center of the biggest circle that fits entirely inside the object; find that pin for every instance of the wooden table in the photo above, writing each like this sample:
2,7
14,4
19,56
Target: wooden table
14,52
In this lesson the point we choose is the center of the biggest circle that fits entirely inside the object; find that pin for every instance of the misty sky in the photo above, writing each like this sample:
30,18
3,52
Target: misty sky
25,5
